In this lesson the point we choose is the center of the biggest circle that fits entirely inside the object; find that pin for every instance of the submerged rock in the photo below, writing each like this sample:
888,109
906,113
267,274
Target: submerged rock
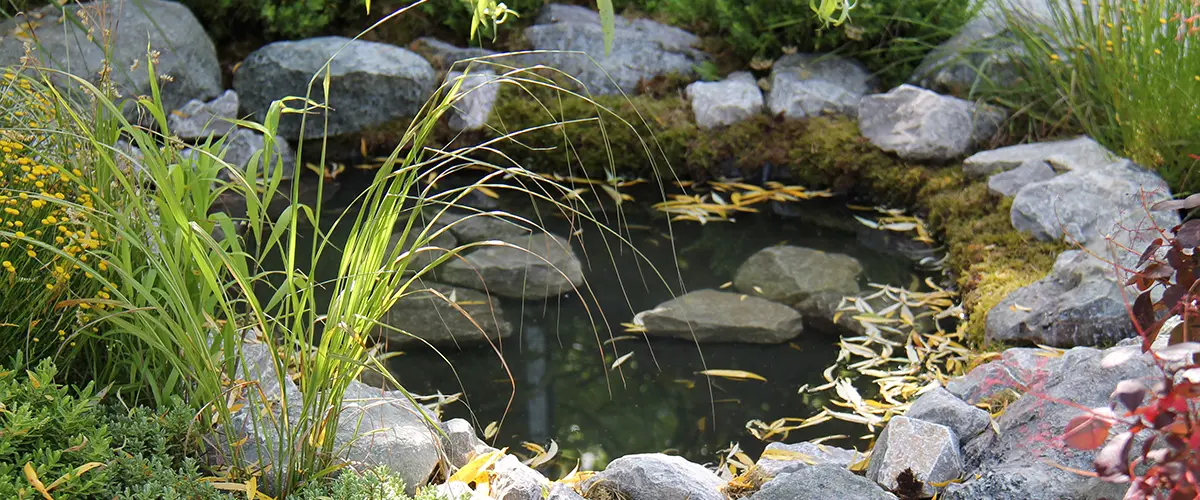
542,265
1027,460
715,316
821,482
929,450
726,102
425,316
184,50
809,280
198,119
641,49
939,406
920,125
654,476
370,83
804,85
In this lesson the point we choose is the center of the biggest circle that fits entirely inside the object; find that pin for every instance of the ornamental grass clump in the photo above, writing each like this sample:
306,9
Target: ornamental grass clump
1126,73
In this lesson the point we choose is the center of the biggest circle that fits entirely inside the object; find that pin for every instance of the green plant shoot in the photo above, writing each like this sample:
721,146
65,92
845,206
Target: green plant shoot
827,8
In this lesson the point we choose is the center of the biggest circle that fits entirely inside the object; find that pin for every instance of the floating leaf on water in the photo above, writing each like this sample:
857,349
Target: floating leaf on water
542,455
867,222
491,429
690,384
618,339
702,424
733,374
899,227
726,284
621,360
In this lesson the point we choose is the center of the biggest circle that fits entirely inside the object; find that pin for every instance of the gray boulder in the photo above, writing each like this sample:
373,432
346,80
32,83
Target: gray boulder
1062,156
560,491
370,83
513,480
425,316
641,49
726,102
1010,182
919,125
484,226
536,266
478,96
1079,303
198,119
821,482
375,427
443,56
939,406
1016,370
804,85
440,242
715,316
186,53
929,450
460,442
1085,205
809,280
654,476
782,458
1027,460
240,146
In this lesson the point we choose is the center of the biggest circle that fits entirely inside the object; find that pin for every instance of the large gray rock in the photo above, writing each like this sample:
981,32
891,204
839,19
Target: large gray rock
478,96
782,458
641,49
1071,154
375,427
536,266
242,143
1085,205
1010,182
1027,460
460,442
809,280
715,316
1079,303
513,480
439,242
370,83
484,226
929,450
920,125
1016,370
425,316
443,55
186,53
821,482
984,50
804,85
654,476
198,119
939,406
726,102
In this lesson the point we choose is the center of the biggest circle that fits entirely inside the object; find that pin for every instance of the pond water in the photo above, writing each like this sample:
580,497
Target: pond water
560,386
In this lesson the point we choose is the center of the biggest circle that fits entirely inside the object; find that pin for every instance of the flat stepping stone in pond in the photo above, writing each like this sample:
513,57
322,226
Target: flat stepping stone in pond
809,280
439,244
716,316
541,265
435,320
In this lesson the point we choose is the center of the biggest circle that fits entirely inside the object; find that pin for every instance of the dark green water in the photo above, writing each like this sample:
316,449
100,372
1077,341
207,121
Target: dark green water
560,387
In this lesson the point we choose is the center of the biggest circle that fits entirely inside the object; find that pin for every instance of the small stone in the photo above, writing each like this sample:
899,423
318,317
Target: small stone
543,265
483,226
1010,182
920,125
929,450
806,85
654,476
458,490
1016,369
939,406
478,91
198,119
560,491
794,457
821,482
1072,154
513,480
812,281
716,316
370,83
726,102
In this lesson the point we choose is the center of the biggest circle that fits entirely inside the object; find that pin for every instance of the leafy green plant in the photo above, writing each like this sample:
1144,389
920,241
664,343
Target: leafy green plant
1126,74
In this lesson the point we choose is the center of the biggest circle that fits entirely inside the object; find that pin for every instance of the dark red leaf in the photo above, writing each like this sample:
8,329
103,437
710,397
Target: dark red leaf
1188,203
1112,462
1149,252
1143,311
1086,432
1130,393
1157,271
1188,234
1172,296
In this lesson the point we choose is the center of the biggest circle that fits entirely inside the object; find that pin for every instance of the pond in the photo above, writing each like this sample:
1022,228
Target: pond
561,388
